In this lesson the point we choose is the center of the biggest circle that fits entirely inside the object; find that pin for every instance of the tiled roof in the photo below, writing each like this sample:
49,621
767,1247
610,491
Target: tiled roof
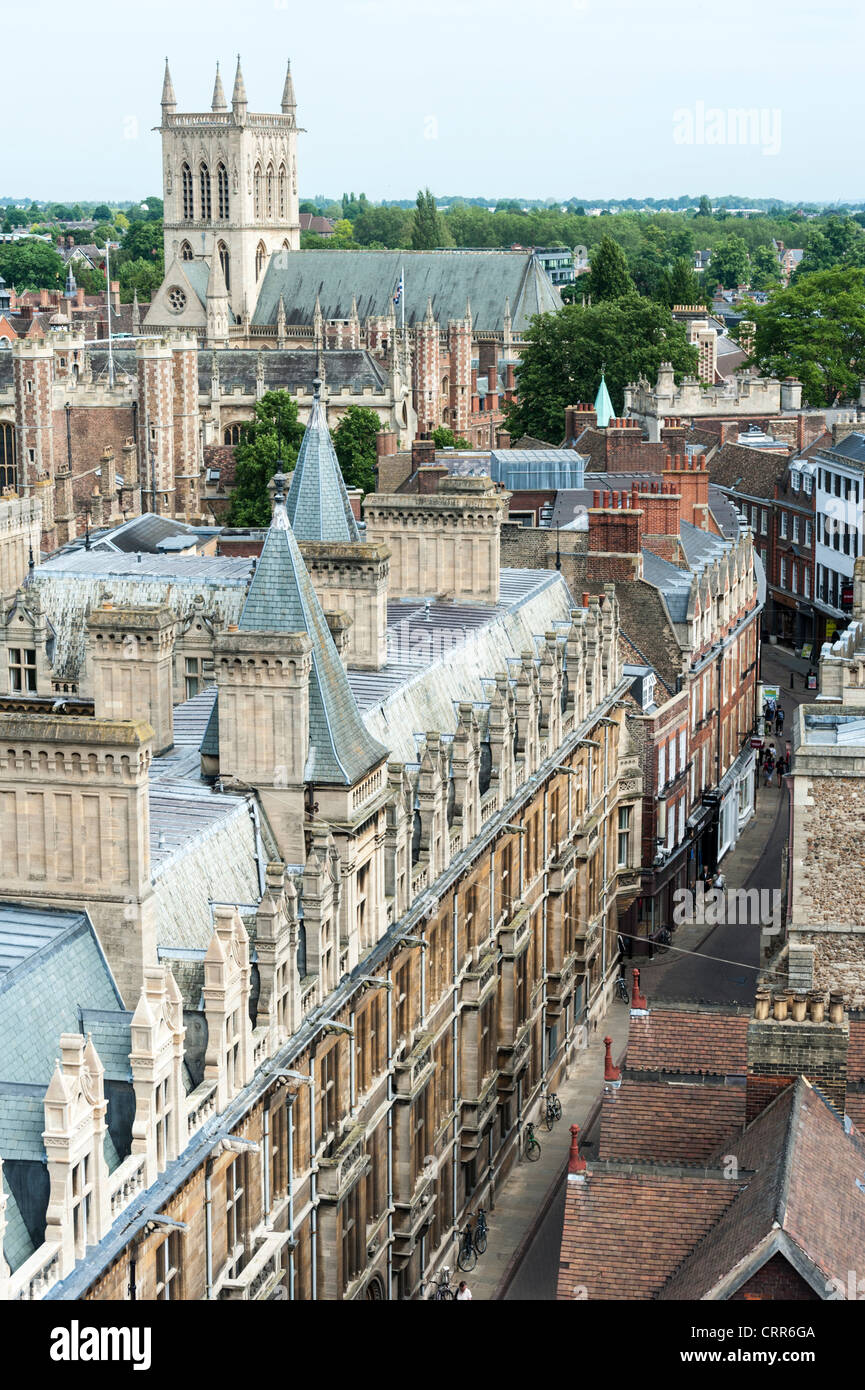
806,1170
675,1040
670,1123
18,1244
281,599
627,1229
743,469
317,503
450,278
644,619
112,1040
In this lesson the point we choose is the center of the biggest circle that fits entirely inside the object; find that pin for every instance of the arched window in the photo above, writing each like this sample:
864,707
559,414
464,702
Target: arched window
8,458
260,258
231,434
285,245
256,191
185,251
205,193
282,192
186,185
269,197
222,191
225,263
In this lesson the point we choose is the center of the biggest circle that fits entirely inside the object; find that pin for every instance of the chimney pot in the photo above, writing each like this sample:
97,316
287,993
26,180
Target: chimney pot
780,1006
611,1071
576,1164
800,1007
836,1007
638,1000
761,1004
817,1003
585,600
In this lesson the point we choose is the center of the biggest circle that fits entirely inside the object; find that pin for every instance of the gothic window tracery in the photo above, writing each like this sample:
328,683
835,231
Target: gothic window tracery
282,192
269,196
222,191
186,185
185,251
256,191
206,210
225,263
260,258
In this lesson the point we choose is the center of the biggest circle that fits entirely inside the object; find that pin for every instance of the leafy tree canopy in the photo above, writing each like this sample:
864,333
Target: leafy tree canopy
101,213
143,241
730,264
31,265
443,438
815,330
565,353
609,277
271,438
354,441
428,229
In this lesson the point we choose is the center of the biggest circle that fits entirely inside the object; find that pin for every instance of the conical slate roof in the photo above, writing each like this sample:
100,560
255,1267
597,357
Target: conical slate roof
281,599
318,506
603,405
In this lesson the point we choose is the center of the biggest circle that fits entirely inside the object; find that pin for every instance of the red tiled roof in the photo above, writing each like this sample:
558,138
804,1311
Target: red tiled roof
677,1040
626,1231
666,1122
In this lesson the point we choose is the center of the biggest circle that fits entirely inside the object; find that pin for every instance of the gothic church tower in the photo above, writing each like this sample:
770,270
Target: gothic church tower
230,192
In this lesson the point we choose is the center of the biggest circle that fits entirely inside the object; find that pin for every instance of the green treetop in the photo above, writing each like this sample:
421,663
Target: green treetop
271,439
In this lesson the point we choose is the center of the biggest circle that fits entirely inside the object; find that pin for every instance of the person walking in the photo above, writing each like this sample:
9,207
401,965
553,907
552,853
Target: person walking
782,769
779,720
463,1293
768,769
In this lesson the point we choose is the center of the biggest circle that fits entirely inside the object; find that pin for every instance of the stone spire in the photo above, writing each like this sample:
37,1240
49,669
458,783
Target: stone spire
238,96
317,324
289,105
280,322
318,506
169,100
603,404
469,312
219,103
281,599
429,311
217,301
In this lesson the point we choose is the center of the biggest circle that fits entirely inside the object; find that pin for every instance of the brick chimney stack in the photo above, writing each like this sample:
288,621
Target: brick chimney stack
577,419
689,477
615,531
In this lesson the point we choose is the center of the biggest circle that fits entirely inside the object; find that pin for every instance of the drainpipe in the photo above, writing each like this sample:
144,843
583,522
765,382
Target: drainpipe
455,1058
265,1159
389,1033
313,1184
289,1103
208,1228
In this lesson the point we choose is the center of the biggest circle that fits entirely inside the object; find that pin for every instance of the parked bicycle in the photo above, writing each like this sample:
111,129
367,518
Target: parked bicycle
480,1235
533,1148
661,942
467,1258
443,1292
553,1111
622,990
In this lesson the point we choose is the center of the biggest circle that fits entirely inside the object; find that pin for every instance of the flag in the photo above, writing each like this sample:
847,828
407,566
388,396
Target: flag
398,295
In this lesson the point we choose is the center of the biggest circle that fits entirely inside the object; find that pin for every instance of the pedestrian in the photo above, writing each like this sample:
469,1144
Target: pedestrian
779,720
782,769
464,1293
768,769
720,882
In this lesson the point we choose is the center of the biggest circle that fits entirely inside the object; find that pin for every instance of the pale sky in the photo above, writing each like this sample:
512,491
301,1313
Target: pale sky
495,98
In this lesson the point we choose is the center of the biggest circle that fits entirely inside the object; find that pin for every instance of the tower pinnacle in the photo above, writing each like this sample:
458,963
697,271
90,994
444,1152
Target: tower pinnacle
219,103
289,103
169,100
238,98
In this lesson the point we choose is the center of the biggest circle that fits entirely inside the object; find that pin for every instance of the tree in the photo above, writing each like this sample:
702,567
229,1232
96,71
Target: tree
428,230
686,287
765,268
271,438
101,213
609,277
354,441
353,207
564,355
836,241
815,330
142,241
390,227
443,438
137,277
154,209
730,263
32,265
705,208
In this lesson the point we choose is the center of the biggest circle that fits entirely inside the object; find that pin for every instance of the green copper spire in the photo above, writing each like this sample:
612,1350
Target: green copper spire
603,405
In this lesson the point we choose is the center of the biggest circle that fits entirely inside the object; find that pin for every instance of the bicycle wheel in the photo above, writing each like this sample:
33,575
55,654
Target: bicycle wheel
548,1117
443,1294
557,1109
467,1258
533,1151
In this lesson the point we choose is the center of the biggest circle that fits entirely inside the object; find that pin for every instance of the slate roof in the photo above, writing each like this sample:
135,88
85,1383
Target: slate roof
290,369
51,966
852,448
281,599
487,279
317,503
144,533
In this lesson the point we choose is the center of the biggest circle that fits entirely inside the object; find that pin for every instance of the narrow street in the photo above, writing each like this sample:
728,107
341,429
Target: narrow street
712,964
